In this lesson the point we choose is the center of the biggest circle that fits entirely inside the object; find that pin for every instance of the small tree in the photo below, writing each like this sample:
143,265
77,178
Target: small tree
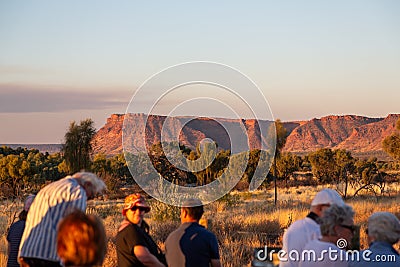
281,135
323,165
391,144
286,165
77,146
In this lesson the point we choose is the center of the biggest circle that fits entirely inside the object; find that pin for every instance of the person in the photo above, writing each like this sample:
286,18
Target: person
14,235
81,240
53,202
304,230
191,244
383,232
337,230
135,247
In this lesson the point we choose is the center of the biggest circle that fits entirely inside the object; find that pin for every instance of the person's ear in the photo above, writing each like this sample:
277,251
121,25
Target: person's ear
184,213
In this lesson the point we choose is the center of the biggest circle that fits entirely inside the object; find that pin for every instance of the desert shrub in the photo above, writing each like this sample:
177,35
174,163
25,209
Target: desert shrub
160,230
230,200
162,212
103,210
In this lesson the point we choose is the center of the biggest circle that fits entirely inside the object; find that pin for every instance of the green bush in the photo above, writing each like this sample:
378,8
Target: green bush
163,212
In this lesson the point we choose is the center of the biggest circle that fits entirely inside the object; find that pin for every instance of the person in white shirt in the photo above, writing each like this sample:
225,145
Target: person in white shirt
307,229
337,230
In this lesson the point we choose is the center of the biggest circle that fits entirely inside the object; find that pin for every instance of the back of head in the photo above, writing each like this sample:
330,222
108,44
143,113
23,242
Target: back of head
194,208
327,197
81,240
28,202
335,215
96,183
384,226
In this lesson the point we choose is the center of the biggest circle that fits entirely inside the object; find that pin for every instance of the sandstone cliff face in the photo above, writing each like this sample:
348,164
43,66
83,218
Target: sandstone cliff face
350,132
108,139
327,132
142,131
369,137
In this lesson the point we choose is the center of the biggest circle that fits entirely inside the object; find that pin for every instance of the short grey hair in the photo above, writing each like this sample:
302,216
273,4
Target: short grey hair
335,215
384,226
97,184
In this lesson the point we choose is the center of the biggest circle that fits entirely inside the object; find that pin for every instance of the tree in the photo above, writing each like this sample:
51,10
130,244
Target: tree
77,146
207,164
391,144
286,164
332,166
323,165
100,165
15,171
369,176
344,167
281,135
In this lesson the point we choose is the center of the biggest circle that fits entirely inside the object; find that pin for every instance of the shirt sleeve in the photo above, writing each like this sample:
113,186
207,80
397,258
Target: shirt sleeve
133,238
9,231
214,253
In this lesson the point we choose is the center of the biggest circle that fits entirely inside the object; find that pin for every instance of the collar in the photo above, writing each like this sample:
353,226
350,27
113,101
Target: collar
313,216
382,244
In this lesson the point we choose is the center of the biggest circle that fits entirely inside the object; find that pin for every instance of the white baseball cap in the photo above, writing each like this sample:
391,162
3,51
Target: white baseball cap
327,196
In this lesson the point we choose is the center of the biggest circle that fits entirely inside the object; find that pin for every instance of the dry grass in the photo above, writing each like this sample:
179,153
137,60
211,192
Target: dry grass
241,223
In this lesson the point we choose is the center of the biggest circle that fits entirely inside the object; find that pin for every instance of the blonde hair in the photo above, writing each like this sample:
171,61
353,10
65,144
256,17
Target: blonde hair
81,240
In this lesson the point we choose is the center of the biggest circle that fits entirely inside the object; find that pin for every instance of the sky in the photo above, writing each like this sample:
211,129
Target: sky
63,61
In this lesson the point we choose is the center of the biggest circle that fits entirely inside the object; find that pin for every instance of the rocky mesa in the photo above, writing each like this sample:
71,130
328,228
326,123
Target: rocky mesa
350,132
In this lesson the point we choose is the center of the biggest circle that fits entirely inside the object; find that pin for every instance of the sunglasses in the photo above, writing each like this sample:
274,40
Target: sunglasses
352,228
145,209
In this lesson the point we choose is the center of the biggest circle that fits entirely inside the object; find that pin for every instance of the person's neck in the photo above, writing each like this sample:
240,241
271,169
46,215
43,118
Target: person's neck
189,220
329,239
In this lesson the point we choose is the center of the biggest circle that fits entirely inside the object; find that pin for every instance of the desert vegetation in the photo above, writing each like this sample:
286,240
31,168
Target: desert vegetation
242,221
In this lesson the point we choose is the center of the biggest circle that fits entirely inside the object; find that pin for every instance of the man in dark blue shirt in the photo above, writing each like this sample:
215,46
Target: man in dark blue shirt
191,244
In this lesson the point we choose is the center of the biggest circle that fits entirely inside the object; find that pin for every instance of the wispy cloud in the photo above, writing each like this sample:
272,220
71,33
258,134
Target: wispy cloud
10,69
26,99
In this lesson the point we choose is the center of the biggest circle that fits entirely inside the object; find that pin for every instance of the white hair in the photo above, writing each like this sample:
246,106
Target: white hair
384,226
97,184
335,215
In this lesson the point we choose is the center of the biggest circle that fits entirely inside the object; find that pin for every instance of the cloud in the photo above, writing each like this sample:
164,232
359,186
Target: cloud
19,69
27,99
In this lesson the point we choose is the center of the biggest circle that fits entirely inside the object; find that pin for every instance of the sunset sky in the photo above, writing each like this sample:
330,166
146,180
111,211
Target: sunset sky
70,60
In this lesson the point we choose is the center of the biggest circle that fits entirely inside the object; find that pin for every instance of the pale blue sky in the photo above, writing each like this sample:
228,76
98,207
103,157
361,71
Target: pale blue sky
69,60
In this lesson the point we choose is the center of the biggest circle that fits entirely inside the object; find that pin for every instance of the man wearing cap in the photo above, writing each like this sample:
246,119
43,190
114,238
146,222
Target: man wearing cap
191,244
302,231
383,232
135,247
52,203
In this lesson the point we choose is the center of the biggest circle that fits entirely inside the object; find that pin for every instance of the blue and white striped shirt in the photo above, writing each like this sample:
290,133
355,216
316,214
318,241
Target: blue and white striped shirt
51,204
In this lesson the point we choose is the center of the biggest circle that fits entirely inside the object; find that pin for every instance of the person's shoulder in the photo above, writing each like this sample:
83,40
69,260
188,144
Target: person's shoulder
315,244
178,231
16,225
128,232
299,224
201,229
318,244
